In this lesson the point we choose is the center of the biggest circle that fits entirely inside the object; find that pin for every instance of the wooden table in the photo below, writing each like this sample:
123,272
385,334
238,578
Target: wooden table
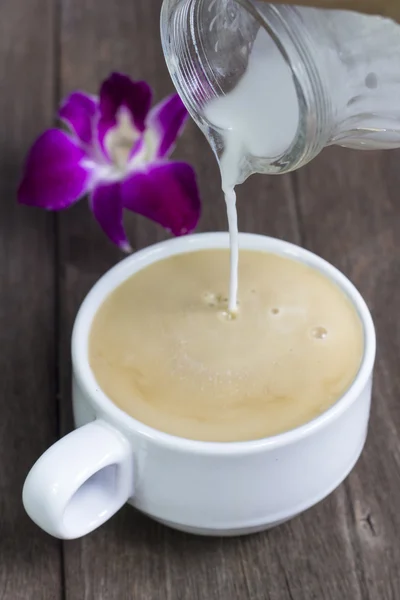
345,207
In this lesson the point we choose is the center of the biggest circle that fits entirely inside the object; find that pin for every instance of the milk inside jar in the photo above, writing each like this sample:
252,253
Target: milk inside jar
271,86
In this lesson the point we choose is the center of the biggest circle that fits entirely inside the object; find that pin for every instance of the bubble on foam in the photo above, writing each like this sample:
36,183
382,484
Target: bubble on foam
275,311
319,333
226,315
210,298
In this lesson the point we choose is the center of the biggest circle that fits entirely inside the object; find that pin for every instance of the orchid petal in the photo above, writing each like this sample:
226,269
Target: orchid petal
166,193
167,120
55,175
106,204
119,91
78,112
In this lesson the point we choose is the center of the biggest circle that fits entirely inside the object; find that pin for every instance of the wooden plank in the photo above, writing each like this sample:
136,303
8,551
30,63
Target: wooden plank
351,214
316,556
132,557
30,561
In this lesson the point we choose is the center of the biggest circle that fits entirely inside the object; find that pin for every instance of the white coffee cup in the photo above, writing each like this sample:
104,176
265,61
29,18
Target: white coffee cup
200,487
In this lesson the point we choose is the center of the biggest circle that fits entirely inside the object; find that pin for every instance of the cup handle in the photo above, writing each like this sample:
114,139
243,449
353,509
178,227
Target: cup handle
80,481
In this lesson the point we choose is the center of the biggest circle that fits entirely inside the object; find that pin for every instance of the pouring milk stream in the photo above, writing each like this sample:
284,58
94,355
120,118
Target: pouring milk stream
255,120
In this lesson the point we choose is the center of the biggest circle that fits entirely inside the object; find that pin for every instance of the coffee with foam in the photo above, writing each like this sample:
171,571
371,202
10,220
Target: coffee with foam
166,350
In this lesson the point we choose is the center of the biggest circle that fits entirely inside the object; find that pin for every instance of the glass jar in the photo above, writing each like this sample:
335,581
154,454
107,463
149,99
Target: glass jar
343,67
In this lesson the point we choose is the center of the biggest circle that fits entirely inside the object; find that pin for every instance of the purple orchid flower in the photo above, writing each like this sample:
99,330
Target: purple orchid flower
115,152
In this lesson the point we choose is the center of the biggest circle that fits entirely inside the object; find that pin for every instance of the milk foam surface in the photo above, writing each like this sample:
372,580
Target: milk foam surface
164,349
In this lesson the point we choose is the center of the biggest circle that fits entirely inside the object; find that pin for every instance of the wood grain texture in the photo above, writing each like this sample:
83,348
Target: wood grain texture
355,223
344,206
30,561
132,557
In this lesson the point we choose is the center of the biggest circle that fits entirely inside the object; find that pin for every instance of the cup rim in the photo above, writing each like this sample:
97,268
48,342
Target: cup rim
202,241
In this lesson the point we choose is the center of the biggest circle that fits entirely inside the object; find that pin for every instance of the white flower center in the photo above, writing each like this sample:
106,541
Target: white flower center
121,139
119,142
